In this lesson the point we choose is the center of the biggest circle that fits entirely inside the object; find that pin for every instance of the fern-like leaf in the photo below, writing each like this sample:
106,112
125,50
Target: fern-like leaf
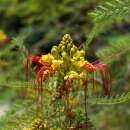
111,10
104,15
109,100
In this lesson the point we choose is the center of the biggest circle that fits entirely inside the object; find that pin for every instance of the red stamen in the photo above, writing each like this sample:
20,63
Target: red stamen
26,68
89,67
86,86
42,71
34,58
69,83
93,83
106,80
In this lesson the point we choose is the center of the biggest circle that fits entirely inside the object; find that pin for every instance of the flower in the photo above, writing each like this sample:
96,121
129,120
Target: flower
3,37
69,63
72,75
106,78
56,64
46,59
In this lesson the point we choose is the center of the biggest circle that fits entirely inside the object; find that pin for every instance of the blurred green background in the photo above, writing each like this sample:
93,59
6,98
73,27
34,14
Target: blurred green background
40,24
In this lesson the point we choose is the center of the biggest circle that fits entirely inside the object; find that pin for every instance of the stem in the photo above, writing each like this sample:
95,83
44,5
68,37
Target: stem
85,96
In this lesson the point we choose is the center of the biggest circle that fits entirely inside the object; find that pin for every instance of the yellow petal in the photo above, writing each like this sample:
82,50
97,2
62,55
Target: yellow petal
46,59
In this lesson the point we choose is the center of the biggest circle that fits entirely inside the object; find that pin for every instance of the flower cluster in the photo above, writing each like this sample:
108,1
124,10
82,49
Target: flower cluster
39,124
70,63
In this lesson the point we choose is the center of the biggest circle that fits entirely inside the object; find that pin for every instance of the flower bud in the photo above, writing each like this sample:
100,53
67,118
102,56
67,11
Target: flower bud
72,51
82,53
63,48
69,45
54,50
64,54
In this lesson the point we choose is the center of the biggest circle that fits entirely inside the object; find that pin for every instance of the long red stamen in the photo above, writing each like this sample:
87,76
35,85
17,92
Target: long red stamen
69,83
93,83
106,79
30,58
34,58
41,72
26,68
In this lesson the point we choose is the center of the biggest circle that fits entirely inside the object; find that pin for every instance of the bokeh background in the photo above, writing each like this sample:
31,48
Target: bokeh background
40,24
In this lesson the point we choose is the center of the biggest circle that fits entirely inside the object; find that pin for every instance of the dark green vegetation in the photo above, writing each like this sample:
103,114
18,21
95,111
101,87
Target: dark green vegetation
104,26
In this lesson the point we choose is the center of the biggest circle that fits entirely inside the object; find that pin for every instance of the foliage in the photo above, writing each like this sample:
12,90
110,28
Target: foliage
101,26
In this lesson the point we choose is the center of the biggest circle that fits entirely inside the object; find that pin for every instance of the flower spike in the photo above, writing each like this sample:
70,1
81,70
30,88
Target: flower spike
70,64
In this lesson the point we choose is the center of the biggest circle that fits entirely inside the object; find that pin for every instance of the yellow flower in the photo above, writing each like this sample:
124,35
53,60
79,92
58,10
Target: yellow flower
78,64
46,59
72,74
56,64
3,36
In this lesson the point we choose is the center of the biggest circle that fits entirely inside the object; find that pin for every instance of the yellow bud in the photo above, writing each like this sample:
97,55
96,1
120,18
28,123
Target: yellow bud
54,49
71,74
79,64
77,54
60,45
72,51
62,42
82,53
82,59
56,63
67,39
64,54
69,45
75,47
63,48
66,36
